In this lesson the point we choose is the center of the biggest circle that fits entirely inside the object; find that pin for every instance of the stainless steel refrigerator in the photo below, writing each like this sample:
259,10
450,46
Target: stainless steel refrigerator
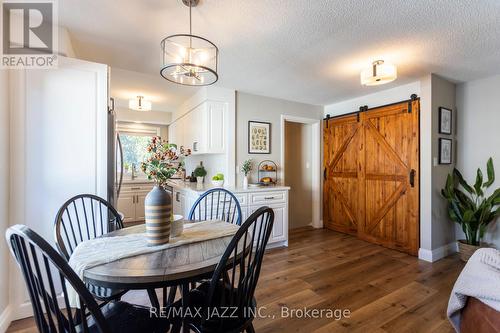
115,157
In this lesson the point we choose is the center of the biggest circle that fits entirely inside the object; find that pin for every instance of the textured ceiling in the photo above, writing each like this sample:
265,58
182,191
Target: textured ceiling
304,50
163,95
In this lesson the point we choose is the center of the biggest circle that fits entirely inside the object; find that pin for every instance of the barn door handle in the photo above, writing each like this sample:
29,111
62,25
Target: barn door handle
412,177
324,174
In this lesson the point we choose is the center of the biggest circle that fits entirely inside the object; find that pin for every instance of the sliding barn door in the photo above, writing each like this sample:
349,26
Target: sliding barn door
378,200
342,138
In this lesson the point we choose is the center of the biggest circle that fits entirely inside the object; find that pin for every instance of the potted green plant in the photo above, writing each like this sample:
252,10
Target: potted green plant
246,168
200,173
470,207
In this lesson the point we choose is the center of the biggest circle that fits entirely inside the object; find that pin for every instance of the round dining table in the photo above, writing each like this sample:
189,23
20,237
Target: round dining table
173,266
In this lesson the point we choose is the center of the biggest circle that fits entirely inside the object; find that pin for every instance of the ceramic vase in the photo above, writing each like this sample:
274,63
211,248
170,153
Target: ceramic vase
245,182
158,209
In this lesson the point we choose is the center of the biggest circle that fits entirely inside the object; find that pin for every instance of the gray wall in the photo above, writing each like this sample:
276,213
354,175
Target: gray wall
298,161
443,230
479,135
4,188
260,108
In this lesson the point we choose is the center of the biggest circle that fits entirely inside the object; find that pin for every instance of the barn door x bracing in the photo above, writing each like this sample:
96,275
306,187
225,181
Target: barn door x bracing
371,171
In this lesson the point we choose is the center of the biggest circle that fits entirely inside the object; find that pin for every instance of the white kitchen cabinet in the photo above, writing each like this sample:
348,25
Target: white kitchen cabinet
131,202
280,225
197,120
140,209
203,129
250,200
173,133
126,206
216,118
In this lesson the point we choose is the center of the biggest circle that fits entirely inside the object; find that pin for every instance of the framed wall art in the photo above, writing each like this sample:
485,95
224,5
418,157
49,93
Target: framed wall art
445,151
445,120
259,137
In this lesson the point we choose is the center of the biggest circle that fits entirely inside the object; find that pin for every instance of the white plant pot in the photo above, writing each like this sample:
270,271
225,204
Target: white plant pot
199,180
218,183
245,182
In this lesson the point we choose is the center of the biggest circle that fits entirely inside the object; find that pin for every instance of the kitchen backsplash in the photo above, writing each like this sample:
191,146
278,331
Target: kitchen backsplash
212,163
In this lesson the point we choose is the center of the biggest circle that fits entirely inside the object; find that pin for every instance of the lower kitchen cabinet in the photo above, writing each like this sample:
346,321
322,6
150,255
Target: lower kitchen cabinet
280,226
276,199
131,202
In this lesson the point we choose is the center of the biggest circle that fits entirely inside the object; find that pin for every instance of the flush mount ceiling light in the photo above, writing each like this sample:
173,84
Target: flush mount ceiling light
379,73
139,104
189,59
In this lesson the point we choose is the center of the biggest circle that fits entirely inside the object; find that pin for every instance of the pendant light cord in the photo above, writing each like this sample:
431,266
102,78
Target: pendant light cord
190,25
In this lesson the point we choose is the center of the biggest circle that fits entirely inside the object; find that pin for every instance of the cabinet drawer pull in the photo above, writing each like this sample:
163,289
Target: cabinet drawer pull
135,188
269,198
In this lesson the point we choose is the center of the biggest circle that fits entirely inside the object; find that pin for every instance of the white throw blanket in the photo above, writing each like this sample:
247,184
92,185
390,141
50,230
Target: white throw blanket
480,279
104,250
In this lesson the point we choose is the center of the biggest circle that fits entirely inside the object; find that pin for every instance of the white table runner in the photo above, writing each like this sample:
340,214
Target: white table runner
104,250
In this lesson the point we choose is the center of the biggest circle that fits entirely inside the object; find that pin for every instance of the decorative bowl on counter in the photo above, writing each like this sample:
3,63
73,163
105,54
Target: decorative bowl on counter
177,226
218,183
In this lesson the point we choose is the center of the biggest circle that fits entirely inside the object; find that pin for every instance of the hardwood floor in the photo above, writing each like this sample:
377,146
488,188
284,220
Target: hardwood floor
384,290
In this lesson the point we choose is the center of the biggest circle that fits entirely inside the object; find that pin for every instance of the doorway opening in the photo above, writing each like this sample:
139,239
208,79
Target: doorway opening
300,160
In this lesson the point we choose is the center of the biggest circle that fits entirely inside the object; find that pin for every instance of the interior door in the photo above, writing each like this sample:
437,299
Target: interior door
371,185
391,153
342,138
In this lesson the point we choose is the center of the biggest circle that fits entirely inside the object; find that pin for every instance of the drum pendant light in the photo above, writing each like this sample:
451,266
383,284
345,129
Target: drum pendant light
188,59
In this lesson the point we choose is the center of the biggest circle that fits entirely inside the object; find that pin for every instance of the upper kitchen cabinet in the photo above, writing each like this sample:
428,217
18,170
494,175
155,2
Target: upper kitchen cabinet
216,118
203,129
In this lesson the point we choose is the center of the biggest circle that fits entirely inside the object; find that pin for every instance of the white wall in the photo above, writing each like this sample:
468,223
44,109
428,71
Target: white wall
479,135
267,109
148,117
383,97
4,197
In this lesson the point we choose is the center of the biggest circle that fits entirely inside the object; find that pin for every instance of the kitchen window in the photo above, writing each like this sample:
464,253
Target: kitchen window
134,139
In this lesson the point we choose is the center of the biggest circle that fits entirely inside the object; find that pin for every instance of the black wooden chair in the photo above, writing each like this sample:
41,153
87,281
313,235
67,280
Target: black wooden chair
81,218
46,273
233,283
216,204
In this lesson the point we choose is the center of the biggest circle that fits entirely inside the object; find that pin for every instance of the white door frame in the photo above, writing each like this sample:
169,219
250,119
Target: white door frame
315,163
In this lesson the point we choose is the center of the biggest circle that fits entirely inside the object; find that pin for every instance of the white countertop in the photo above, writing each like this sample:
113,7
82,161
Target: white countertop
193,187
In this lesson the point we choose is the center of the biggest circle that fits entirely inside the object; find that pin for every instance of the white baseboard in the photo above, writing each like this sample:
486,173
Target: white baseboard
5,319
439,253
277,244
25,309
